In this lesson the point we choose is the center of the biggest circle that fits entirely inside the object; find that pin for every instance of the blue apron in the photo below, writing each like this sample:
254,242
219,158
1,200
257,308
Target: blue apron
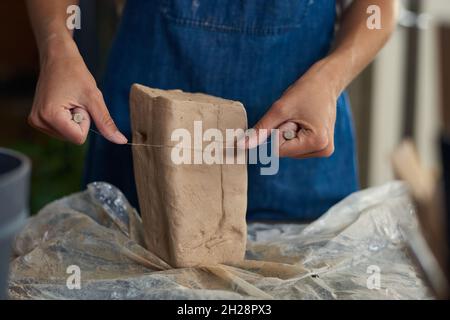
249,51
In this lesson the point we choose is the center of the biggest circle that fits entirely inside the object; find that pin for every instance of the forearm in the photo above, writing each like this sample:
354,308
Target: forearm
357,45
48,20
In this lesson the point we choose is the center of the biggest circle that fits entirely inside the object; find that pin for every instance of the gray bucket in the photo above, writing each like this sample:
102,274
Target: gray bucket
14,191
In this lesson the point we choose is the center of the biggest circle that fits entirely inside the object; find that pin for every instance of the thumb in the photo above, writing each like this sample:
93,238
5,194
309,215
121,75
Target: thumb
103,121
262,130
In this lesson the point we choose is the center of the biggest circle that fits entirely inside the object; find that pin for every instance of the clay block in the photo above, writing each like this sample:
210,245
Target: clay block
193,214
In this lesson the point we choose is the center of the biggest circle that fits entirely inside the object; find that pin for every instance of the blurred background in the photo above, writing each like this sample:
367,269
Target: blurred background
397,96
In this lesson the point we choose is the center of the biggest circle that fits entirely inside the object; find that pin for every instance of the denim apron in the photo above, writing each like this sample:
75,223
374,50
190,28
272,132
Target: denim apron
249,50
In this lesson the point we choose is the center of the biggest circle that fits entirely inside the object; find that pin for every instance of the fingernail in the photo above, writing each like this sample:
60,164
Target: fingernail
120,138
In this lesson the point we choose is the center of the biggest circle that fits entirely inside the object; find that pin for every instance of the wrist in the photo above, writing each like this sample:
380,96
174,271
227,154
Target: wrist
57,46
331,72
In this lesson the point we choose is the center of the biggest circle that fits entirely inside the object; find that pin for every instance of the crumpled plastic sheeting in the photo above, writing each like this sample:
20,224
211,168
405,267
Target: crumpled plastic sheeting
332,258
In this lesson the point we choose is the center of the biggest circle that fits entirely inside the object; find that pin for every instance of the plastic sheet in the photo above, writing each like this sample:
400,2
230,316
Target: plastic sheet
357,250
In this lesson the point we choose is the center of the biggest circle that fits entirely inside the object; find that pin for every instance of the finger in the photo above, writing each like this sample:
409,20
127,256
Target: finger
308,143
288,126
321,154
325,153
103,121
85,122
42,126
262,130
62,123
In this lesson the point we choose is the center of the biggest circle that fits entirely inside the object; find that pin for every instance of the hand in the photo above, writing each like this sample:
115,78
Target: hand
309,108
66,86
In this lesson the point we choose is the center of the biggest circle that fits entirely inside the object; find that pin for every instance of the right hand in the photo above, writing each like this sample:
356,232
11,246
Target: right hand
66,86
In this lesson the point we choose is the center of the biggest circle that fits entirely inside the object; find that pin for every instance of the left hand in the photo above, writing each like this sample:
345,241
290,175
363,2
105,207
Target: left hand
308,107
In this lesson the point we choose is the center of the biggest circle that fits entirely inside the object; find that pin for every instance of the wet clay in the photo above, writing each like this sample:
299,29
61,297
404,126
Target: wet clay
193,214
